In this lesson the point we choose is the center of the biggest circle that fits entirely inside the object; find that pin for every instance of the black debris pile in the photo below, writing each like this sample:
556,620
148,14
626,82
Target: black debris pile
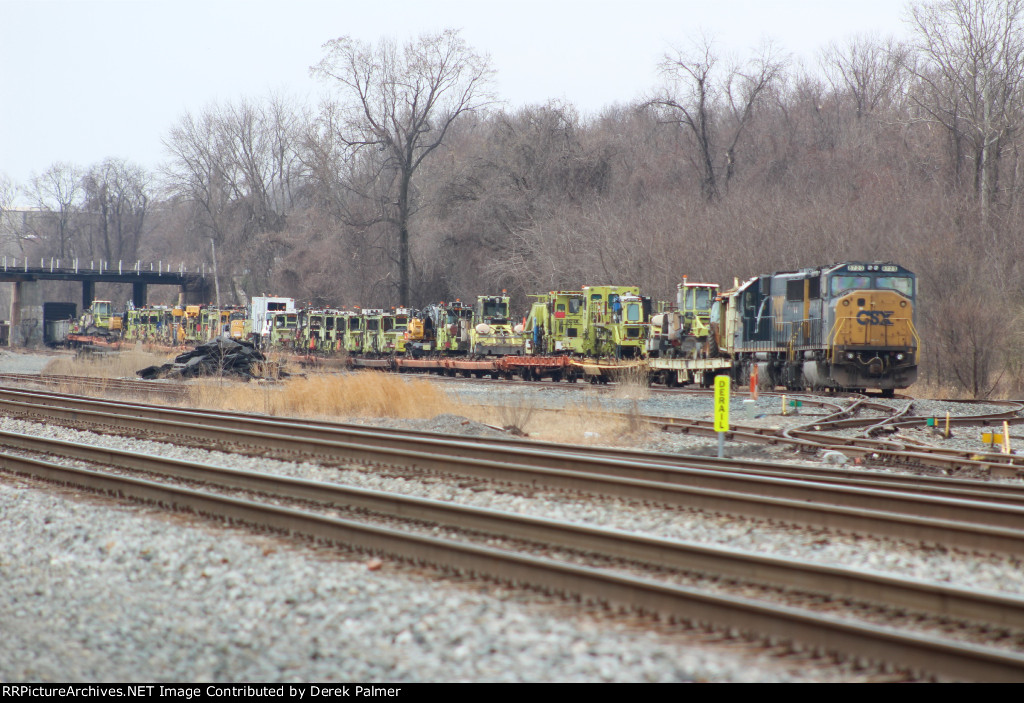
221,357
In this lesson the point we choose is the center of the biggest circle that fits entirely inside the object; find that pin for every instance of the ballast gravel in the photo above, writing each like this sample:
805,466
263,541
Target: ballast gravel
94,591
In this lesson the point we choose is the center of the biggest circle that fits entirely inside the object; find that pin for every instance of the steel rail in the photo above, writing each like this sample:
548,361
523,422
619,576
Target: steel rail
950,459
992,527
419,451
837,582
497,448
942,657
118,385
998,465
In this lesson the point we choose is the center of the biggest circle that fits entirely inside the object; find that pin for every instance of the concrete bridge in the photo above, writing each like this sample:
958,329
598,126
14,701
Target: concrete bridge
27,320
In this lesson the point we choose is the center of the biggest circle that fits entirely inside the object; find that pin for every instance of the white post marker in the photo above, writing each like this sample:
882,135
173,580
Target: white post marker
721,411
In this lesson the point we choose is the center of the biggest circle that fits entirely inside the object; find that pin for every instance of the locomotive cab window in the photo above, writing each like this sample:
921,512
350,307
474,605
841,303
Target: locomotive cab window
839,284
633,312
900,284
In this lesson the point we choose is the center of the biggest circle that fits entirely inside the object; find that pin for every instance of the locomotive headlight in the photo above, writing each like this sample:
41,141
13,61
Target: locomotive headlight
849,356
846,303
900,356
903,303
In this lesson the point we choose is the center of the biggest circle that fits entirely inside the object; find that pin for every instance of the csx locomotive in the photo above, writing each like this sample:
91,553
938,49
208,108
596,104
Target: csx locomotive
846,326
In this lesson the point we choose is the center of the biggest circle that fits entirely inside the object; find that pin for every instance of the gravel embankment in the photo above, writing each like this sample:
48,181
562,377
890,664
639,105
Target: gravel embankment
27,362
94,591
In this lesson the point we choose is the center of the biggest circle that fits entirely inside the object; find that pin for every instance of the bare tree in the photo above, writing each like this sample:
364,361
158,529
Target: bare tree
971,75
116,193
11,231
58,191
713,108
238,167
871,71
398,104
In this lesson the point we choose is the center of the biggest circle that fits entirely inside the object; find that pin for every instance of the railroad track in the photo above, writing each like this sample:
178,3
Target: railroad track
814,436
119,386
989,522
646,591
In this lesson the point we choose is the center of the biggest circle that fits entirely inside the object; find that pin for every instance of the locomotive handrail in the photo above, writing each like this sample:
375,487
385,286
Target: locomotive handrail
917,341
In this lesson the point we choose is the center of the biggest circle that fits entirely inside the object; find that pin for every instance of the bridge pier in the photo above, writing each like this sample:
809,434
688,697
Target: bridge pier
139,295
88,294
27,315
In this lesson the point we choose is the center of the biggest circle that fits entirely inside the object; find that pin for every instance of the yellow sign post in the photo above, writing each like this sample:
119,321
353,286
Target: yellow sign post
721,411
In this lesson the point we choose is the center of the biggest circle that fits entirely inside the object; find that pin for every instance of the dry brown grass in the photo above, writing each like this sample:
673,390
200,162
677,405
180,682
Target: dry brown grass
371,394
358,394
585,422
113,365
632,383
923,389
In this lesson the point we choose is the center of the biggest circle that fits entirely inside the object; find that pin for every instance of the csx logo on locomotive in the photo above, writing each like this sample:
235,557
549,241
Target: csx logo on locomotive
875,317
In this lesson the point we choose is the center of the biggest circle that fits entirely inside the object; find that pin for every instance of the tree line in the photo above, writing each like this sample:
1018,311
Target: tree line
412,183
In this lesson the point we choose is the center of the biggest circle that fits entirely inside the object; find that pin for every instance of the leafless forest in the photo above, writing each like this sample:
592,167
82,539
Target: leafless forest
414,183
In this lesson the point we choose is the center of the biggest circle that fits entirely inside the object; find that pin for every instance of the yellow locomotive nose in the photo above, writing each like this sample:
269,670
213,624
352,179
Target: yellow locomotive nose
874,319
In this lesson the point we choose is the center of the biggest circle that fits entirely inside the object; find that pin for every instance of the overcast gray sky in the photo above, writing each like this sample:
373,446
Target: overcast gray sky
83,80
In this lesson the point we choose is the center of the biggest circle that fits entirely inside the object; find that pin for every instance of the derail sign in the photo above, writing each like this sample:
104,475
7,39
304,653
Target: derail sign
721,403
